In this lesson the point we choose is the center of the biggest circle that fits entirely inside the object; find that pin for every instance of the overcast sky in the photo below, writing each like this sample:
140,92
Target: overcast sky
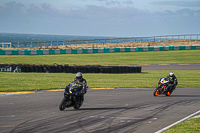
119,18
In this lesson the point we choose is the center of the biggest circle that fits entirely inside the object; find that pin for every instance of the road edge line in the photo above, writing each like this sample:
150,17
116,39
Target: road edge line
160,131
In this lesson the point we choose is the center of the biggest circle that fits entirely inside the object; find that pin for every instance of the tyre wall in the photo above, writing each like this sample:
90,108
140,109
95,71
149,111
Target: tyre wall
69,69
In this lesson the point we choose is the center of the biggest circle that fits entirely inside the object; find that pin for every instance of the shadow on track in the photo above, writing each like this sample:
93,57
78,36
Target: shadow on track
185,96
106,108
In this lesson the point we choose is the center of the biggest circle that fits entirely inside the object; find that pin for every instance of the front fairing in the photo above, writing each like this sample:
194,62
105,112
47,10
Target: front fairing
72,90
163,82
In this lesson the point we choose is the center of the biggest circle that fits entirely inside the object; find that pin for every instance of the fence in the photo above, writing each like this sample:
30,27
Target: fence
98,41
5,44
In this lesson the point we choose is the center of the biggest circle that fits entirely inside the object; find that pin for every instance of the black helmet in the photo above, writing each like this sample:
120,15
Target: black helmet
79,75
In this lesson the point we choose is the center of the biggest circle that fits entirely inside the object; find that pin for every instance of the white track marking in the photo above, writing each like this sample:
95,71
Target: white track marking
8,116
160,131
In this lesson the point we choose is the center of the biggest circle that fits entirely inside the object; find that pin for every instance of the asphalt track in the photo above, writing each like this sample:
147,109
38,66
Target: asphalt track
120,110
171,67
110,110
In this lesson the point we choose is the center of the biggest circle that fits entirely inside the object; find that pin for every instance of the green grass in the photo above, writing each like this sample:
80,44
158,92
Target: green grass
189,126
146,79
125,58
43,81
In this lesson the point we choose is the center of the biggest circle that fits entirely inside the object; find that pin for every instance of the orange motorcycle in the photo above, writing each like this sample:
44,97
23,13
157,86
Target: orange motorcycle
162,88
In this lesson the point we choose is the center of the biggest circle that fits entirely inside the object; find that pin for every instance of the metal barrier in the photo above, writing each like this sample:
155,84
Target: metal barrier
99,50
50,44
5,44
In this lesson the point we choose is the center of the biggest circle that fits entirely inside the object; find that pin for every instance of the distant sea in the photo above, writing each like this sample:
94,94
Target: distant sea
18,40
17,37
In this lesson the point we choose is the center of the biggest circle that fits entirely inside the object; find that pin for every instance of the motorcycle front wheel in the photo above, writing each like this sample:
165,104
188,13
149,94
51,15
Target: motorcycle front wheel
156,92
63,104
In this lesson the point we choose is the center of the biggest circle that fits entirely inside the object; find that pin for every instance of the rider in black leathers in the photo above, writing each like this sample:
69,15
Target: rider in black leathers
81,83
173,81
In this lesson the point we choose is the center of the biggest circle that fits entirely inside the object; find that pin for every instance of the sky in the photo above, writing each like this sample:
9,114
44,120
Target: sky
115,18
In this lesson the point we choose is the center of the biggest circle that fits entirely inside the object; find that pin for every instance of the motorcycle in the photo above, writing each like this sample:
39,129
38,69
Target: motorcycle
161,89
71,98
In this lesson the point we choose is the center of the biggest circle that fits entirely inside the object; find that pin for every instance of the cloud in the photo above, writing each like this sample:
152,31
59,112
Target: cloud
96,20
13,9
128,2
178,3
117,2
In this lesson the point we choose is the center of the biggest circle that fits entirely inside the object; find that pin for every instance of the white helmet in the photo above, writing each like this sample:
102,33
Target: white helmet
79,75
171,75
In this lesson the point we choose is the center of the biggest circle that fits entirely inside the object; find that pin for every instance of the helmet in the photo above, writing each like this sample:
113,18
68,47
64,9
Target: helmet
79,75
171,75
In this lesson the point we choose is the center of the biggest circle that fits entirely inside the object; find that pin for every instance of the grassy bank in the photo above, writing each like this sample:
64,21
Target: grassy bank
189,126
43,81
126,58
111,45
146,79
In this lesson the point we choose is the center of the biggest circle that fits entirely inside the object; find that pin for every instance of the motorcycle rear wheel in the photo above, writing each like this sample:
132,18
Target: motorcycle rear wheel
78,105
63,104
156,92
169,92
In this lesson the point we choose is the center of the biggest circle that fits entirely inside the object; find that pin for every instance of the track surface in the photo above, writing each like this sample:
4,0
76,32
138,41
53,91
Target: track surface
114,110
171,67
103,111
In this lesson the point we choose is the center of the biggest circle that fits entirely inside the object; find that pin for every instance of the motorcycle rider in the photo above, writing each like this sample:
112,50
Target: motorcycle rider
172,81
81,84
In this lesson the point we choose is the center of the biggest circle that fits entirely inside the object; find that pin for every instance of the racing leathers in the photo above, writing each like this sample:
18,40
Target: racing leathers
172,82
81,84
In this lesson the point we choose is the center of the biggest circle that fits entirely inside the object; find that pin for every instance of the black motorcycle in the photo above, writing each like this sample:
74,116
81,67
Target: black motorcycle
71,98
161,89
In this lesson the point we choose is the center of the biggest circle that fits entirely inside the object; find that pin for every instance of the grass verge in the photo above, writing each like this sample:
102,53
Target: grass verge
124,58
189,126
43,81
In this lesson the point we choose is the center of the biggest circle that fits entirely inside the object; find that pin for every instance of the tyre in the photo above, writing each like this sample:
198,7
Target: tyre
63,104
156,92
77,106
169,92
